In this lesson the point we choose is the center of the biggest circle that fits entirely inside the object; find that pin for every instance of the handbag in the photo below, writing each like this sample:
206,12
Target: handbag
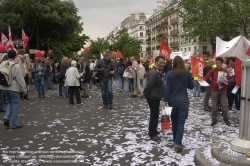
127,73
165,118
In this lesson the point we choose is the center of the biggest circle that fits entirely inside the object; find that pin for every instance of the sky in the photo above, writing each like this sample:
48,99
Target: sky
100,17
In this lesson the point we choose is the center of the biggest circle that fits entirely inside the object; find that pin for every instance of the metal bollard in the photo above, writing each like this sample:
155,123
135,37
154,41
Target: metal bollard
242,143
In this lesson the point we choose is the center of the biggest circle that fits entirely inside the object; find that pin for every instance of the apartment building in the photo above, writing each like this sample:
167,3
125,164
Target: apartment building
165,23
138,31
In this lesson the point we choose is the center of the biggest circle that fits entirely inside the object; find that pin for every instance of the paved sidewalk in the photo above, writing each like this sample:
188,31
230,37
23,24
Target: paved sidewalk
57,133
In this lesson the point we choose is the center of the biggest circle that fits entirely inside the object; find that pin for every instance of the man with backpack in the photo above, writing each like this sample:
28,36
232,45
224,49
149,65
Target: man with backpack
12,83
120,68
38,72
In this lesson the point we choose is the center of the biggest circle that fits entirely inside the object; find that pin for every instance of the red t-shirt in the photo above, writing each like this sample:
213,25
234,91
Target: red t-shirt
213,73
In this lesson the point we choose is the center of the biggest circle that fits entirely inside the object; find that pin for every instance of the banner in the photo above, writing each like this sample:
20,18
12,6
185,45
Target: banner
164,50
238,71
24,44
197,67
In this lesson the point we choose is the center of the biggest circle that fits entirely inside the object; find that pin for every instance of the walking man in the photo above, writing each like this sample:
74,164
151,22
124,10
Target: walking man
12,93
210,63
106,69
38,72
153,92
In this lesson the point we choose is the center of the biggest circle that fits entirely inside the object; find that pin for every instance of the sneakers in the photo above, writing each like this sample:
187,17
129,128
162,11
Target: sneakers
6,122
207,108
178,150
155,138
238,109
105,106
18,127
227,123
134,96
213,123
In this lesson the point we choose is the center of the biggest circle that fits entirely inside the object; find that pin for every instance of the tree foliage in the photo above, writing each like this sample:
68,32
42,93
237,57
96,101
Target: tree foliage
98,46
129,46
208,19
59,25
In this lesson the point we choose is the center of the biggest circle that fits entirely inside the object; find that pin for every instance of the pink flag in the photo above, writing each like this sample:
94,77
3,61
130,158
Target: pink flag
24,44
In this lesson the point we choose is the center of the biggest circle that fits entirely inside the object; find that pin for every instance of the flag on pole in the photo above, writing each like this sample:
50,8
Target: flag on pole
7,43
10,35
202,58
164,50
24,44
197,67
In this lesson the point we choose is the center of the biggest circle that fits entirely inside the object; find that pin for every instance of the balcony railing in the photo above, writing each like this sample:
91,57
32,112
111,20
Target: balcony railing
158,47
174,20
148,39
174,32
148,31
153,38
158,27
174,44
159,36
148,48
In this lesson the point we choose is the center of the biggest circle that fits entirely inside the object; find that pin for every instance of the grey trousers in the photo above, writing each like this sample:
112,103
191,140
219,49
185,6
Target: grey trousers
207,96
217,96
137,86
85,89
49,82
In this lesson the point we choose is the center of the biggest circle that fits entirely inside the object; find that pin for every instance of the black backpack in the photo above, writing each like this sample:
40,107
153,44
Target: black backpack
121,70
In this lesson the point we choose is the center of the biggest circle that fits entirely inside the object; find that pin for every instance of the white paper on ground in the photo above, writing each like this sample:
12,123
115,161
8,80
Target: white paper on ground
203,83
234,91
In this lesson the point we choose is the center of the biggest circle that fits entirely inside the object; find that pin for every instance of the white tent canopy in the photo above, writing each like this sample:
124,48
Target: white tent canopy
236,47
184,56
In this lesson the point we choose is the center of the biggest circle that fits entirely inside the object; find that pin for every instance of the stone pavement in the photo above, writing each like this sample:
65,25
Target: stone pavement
59,134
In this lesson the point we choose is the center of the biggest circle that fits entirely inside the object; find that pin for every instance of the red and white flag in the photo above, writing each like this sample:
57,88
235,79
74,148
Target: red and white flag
7,43
164,50
10,35
202,57
24,44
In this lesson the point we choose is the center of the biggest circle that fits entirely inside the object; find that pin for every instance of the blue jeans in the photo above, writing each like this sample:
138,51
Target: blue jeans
40,84
64,90
197,89
13,108
178,116
121,82
106,89
1,99
141,83
130,84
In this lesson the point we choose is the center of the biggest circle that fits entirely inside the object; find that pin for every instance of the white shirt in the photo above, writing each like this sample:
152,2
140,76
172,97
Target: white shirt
92,66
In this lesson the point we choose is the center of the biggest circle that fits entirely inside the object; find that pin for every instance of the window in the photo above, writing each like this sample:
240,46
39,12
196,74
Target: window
204,49
185,50
141,27
189,49
181,49
195,49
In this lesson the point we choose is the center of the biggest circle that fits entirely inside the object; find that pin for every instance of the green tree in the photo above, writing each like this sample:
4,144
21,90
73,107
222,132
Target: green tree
98,46
208,19
129,46
59,25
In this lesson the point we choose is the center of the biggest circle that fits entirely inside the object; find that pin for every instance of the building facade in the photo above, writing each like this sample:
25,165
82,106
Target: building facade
165,24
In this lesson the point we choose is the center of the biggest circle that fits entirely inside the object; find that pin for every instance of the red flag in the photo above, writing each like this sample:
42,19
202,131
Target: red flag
24,44
248,51
197,67
238,71
202,57
10,35
164,50
214,56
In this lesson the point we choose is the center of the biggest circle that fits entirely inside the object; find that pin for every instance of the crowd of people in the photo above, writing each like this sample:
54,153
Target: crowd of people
166,82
